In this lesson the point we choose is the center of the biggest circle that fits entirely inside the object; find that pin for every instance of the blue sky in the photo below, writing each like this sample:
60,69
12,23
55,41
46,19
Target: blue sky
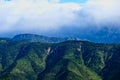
77,1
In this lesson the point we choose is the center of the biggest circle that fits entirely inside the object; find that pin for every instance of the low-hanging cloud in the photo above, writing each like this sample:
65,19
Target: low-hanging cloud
39,14
51,15
103,9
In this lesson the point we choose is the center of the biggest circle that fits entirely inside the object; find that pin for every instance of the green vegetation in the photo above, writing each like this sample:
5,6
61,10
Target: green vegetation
70,60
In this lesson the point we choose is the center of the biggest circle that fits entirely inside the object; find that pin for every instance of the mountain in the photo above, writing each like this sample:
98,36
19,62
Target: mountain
98,35
109,34
69,60
38,38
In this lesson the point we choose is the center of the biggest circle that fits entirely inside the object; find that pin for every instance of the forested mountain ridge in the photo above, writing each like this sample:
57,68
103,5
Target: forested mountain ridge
69,60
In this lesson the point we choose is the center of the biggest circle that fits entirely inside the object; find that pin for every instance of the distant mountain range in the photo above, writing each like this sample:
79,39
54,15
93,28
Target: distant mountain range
110,38
98,36
69,60
38,38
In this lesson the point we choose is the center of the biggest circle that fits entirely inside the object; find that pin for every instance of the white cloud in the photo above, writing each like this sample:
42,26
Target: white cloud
45,15
103,10
36,14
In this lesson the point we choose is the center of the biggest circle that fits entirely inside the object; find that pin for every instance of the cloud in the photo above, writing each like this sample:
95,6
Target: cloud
103,9
42,15
52,15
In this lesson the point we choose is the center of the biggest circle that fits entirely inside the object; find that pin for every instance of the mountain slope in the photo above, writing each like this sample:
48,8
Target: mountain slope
70,60
37,38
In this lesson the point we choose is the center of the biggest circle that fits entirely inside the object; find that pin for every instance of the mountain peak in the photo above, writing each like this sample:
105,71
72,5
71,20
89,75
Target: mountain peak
37,38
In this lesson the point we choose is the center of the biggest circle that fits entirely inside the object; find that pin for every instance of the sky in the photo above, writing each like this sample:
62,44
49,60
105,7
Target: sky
76,1
52,17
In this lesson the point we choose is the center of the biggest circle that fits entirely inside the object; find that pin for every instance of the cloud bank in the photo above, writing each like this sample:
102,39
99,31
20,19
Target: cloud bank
51,15
103,9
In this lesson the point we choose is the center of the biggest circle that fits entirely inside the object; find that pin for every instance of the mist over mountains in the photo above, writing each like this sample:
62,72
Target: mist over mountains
59,39
110,38
91,19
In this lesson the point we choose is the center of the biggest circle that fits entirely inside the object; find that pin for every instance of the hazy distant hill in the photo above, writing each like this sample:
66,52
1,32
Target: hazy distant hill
38,38
103,35
70,60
